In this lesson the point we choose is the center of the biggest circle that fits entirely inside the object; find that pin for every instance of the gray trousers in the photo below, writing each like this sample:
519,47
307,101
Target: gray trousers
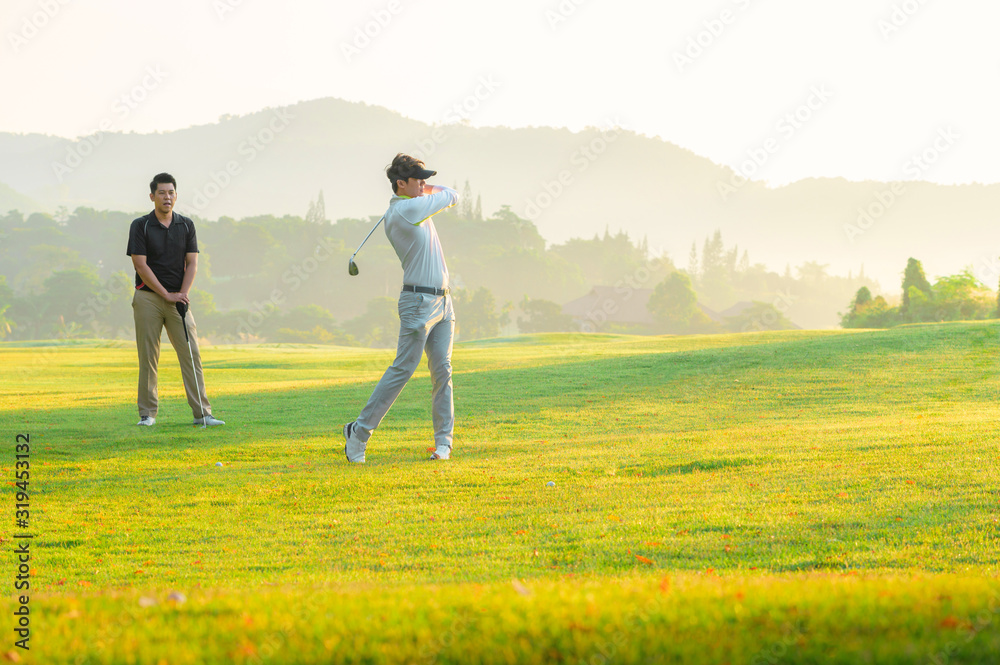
426,323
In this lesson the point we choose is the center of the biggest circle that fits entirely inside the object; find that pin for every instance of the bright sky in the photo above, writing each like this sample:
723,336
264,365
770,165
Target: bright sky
883,77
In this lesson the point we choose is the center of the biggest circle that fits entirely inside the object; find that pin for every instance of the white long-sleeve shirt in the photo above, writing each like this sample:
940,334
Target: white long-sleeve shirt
410,230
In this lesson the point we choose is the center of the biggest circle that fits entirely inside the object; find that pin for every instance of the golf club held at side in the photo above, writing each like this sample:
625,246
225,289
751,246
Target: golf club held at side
182,309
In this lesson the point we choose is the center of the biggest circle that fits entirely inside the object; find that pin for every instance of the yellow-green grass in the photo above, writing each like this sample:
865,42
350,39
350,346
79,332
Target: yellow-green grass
778,497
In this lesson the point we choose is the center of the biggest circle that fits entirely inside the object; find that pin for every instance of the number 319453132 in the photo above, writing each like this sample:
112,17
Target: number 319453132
22,451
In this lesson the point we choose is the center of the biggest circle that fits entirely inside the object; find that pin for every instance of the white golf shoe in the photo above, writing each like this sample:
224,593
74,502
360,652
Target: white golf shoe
147,421
209,421
354,448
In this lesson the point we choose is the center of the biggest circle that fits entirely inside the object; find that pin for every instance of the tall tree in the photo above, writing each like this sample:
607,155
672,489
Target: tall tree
716,284
478,213
317,210
693,262
914,276
712,254
732,256
321,207
674,306
744,264
861,298
479,317
465,210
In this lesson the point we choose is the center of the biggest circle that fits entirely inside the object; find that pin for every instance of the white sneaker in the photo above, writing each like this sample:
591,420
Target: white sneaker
441,453
354,448
147,421
209,421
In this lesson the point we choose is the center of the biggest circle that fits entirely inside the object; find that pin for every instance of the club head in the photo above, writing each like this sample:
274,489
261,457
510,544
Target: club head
352,268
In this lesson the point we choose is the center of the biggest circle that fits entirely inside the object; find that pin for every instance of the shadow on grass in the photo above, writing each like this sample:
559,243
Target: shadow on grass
837,372
809,565
710,465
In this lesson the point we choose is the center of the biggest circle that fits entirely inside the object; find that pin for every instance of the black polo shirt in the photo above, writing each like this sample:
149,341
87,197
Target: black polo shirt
164,248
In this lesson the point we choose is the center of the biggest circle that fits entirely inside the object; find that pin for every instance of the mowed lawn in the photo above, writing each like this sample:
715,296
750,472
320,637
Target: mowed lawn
792,497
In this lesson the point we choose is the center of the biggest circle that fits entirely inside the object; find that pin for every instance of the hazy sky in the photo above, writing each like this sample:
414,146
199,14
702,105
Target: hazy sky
852,88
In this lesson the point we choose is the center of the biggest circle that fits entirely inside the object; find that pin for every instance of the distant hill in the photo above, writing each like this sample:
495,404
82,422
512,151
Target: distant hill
569,184
13,200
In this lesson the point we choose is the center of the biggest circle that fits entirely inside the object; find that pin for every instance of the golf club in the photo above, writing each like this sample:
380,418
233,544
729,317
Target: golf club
352,267
182,310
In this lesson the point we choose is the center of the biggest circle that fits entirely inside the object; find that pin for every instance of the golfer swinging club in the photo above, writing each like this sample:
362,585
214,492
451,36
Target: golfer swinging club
164,251
426,316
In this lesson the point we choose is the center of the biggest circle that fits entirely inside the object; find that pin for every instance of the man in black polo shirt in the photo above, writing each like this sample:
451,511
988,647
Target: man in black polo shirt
164,251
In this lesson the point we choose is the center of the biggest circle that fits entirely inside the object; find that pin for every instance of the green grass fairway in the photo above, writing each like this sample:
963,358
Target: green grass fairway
793,497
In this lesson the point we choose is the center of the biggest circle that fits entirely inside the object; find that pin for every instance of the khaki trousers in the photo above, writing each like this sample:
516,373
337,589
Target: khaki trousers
152,312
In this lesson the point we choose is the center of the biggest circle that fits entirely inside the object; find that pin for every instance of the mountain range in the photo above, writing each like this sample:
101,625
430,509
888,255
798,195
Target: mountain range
570,184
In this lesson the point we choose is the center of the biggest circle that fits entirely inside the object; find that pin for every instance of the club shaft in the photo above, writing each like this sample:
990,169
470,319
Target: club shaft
194,369
366,238
197,386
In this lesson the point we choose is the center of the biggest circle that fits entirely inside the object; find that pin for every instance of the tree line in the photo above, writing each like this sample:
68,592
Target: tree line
960,297
284,279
